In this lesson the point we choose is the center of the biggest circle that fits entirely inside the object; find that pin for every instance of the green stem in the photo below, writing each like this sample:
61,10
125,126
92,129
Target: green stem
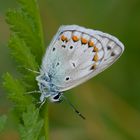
45,110
41,30
46,122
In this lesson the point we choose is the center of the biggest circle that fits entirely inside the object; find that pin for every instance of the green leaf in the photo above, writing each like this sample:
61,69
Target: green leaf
16,92
27,47
20,24
21,52
3,120
42,138
24,58
31,9
32,124
25,22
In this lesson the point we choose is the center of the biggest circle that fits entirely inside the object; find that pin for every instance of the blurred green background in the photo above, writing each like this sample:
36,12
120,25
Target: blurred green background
111,100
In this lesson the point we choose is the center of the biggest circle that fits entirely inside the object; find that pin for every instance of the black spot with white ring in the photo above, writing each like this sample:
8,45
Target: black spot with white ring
73,65
53,49
63,46
67,78
58,63
113,54
108,48
71,47
56,97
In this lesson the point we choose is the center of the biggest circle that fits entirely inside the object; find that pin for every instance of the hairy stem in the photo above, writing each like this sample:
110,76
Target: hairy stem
46,121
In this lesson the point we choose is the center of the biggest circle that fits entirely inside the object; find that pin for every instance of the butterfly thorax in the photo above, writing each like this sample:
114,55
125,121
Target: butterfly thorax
47,88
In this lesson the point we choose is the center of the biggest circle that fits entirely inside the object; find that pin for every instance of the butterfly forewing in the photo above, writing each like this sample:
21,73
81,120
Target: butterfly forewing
76,54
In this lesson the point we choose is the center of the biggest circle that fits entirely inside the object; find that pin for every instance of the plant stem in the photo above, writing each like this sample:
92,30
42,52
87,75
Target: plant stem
41,30
46,122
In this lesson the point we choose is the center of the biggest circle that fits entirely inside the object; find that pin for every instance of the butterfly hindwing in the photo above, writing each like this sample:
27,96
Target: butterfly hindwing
77,54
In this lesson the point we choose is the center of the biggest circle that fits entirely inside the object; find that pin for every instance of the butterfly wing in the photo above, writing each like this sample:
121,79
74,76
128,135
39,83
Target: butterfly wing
77,54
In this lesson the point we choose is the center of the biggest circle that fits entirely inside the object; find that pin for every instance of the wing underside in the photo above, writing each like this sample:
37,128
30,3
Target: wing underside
77,54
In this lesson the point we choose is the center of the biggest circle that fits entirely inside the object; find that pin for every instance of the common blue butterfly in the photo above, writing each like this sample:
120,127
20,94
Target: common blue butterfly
75,55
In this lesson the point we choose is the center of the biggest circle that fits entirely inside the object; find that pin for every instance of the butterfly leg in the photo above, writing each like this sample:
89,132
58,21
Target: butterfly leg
42,103
35,91
43,98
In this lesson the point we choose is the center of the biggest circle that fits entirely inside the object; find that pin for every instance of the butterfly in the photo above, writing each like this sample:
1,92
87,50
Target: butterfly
75,55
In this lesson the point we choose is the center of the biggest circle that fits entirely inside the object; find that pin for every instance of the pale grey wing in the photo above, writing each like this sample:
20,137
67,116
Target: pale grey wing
79,55
55,60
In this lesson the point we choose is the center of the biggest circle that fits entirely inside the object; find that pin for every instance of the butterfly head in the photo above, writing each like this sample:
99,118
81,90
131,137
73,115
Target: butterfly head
48,89
42,80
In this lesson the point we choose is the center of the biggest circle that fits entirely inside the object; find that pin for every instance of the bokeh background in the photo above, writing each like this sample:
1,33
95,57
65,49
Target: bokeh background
111,100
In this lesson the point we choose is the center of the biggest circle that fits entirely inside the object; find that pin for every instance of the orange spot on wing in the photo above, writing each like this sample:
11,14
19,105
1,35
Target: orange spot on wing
75,38
63,38
95,49
90,44
84,41
95,58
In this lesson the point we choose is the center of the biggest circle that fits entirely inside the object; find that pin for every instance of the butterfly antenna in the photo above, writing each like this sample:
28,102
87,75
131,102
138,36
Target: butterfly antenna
73,107
32,71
